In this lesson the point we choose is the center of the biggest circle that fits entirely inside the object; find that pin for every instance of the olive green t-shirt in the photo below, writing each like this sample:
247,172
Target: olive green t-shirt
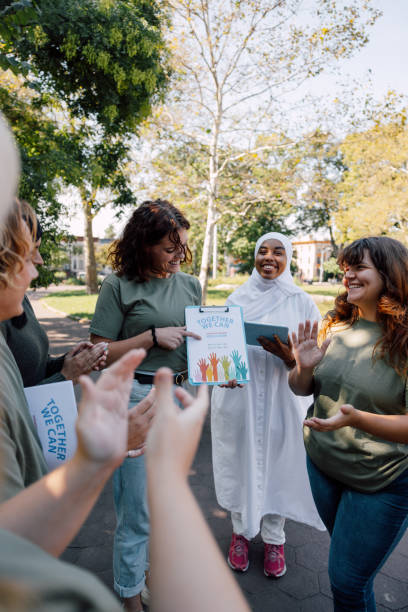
126,308
348,375
21,457
46,584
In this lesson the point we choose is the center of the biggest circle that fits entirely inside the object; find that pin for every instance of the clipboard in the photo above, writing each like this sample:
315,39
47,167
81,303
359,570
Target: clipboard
254,330
221,354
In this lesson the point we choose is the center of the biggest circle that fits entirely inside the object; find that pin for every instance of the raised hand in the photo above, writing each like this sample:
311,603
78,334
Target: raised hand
305,348
102,424
344,417
225,362
242,370
170,338
209,374
214,364
173,438
279,349
203,365
236,358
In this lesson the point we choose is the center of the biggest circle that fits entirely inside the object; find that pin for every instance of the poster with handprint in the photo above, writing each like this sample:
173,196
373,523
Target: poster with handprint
221,354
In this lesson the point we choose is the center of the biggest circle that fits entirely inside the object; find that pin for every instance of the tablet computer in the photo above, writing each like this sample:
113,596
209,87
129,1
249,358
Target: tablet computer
254,330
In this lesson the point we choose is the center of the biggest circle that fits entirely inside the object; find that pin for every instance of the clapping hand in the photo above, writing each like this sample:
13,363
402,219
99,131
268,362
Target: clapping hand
305,348
83,358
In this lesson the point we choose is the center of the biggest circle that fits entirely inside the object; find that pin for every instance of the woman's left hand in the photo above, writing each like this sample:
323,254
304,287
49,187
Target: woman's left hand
343,418
279,349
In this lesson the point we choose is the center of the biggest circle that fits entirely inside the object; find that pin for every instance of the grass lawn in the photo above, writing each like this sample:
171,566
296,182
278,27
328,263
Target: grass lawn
80,305
76,304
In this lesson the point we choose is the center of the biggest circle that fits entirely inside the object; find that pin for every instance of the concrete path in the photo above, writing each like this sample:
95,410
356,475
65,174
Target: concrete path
304,588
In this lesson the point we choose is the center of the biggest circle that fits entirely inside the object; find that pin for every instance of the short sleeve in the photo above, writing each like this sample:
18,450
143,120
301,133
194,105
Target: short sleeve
108,317
11,477
199,293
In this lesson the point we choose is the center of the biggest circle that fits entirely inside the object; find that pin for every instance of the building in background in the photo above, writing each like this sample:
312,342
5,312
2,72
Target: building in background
75,250
311,253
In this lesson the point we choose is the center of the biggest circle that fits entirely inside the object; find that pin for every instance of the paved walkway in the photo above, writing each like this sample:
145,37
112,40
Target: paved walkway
305,587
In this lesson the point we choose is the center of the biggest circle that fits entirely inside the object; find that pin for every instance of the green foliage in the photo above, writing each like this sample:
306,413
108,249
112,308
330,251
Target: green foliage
332,268
374,190
254,195
15,17
104,60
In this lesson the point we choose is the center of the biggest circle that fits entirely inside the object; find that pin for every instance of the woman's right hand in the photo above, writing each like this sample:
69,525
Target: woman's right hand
305,348
170,338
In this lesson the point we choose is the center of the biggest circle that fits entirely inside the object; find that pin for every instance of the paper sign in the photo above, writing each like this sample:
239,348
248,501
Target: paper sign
54,412
221,354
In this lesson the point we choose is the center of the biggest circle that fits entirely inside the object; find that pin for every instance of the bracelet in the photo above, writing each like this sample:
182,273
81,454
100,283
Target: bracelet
153,330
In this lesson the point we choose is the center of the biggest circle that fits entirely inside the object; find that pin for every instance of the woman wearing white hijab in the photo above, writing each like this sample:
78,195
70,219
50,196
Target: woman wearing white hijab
258,452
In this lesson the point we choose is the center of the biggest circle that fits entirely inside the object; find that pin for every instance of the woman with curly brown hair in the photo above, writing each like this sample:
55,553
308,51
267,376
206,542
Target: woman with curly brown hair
142,305
359,480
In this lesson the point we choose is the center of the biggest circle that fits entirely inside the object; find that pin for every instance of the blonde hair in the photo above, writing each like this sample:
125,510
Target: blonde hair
14,241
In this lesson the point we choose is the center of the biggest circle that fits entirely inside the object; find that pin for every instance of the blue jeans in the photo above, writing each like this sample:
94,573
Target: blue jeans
365,528
131,542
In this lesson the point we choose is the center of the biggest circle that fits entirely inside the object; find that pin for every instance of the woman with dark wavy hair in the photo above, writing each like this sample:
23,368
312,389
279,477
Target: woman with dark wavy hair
358,375
142,305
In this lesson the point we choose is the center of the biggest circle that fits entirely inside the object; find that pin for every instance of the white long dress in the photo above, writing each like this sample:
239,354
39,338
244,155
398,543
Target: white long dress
259,458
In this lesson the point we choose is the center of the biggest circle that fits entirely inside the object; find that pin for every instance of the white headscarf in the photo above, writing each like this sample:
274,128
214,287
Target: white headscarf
260,295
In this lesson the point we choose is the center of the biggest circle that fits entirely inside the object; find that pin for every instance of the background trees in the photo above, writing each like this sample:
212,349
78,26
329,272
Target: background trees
94,70
236,63
374,190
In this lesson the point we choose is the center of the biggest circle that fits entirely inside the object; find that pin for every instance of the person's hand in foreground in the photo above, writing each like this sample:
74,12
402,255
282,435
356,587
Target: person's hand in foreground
279,349
181,579
343,418
83,358
66,495
175,433
102,424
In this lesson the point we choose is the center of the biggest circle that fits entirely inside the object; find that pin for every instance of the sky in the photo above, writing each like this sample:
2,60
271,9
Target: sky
382,61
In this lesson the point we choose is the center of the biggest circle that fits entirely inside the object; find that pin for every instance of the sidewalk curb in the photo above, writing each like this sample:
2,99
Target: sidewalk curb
64,314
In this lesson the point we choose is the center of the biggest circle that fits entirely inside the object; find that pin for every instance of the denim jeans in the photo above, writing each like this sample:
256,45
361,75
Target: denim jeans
365,528
131,542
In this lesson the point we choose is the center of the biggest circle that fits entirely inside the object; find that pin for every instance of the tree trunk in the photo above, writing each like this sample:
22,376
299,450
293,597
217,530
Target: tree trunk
89,250
215,253
206,256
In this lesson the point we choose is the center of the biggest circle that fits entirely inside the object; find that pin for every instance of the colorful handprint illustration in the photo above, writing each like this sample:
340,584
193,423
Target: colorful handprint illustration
203,365
214,364
218,369
225,362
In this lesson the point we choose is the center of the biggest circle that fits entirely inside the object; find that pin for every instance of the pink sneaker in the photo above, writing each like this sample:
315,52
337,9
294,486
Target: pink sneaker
238,553
274,560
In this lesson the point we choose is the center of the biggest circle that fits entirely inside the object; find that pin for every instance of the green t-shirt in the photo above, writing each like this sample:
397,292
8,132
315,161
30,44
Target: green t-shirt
348,375
126,308
21,458
46,584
